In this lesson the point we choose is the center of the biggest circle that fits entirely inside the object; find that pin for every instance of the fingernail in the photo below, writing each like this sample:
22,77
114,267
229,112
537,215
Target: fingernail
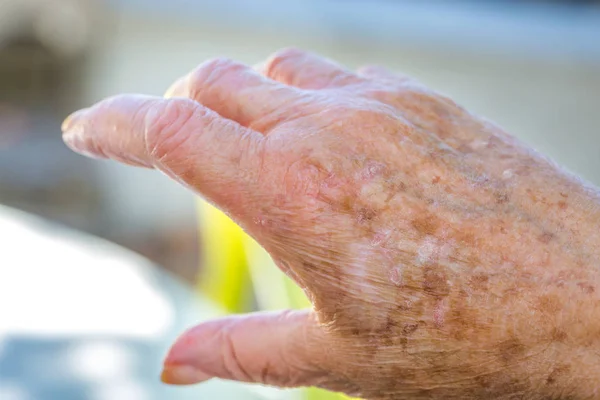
182,375
72,120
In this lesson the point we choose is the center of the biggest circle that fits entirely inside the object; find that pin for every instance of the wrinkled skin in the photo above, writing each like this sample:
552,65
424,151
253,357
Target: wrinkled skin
444,259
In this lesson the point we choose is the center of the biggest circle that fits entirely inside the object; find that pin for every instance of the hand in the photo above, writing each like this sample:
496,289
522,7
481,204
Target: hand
443,258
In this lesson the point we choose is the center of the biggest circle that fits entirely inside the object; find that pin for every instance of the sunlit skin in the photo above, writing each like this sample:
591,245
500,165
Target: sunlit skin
443,258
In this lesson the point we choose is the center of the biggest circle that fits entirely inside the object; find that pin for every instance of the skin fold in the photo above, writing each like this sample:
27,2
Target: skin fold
443,258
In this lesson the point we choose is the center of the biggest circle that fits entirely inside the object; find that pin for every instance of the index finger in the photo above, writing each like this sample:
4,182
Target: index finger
217,157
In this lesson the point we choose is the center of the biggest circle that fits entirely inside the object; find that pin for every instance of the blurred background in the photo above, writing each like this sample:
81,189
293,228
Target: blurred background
531,66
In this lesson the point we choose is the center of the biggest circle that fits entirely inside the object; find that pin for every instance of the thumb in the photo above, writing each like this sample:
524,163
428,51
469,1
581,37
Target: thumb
285,348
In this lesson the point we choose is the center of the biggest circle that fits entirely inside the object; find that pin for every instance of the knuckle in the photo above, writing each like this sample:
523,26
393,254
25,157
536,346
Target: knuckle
376,115
279,61
220,63
371,68
212,72
382,94
287,53
372,72
231,362
167,126
433,100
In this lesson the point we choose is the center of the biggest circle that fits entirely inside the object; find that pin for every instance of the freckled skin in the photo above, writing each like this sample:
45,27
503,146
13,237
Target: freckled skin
443,258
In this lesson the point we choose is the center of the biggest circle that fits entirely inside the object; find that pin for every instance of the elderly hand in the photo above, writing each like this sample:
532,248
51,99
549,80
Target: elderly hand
443,258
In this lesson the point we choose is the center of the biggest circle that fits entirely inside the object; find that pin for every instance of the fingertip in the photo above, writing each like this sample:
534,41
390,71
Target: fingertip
180,366
72,121
288,53
180,351
268,347
306,70
111,129
76,138
196,346
183,375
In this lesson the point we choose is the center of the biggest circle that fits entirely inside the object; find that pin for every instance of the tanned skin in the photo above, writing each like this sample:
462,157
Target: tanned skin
444,259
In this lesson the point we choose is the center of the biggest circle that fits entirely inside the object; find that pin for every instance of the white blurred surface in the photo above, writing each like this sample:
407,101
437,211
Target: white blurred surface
53,286
82,319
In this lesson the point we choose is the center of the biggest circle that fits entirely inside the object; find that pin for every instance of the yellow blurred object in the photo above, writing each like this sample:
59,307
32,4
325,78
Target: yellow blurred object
225,276
236,270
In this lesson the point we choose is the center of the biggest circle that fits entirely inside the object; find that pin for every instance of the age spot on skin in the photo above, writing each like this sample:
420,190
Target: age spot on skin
562,205
546,237
586,287
556,373
549,304
480,281
426,226
491,385
409,329
407,305
501,197
435,282
395,185
467,238
365,214
511,350
558,335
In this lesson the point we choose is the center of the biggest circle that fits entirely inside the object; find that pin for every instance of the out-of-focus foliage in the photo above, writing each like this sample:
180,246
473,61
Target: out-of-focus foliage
225,276
236,269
